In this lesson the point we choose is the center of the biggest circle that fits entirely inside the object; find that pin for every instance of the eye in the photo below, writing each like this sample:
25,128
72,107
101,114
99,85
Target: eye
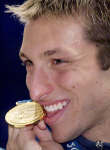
27,63
58,61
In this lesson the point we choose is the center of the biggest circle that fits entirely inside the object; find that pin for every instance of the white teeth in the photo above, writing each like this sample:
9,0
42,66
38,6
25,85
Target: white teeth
60,106
55,107
51,108
64,103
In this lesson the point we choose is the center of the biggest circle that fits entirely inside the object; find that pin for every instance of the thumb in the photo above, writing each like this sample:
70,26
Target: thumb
42,132
45,137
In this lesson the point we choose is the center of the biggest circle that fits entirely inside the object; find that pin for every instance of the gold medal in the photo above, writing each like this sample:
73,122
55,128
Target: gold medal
24,114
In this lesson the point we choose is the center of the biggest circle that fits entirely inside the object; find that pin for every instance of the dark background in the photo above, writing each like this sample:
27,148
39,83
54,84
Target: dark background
12,73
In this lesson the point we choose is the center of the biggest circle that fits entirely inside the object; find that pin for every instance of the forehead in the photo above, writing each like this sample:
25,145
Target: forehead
45,25
50,33
63,21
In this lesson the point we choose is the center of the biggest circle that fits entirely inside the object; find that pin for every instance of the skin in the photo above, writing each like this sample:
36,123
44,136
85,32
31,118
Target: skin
77,77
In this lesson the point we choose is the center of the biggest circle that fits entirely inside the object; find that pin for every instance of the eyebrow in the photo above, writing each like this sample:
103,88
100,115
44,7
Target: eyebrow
46,53
50,52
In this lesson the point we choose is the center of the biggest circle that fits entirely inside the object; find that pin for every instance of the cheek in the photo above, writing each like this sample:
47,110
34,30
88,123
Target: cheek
67,80
28,81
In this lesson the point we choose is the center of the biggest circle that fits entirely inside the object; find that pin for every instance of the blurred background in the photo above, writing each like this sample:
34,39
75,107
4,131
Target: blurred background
12,73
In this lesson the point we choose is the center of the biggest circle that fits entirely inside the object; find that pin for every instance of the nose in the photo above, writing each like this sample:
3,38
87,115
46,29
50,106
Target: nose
40,86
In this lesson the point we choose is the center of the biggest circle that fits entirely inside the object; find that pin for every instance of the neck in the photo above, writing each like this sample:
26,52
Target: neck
100,132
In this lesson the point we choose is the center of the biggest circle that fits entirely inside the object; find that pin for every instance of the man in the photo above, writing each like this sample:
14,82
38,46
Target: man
66,50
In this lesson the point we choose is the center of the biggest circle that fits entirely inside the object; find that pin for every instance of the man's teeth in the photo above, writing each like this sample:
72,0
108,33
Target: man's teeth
55,107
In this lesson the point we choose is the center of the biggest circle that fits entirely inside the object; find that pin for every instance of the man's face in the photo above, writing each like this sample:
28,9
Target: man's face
64,76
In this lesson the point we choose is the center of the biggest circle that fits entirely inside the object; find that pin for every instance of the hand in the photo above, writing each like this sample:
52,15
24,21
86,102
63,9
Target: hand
24,138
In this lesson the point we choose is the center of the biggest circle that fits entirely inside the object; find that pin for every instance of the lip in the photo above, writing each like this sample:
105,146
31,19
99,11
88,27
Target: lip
49,102
52,117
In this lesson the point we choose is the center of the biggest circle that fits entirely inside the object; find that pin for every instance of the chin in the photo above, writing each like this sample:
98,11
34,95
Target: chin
61,138
61,135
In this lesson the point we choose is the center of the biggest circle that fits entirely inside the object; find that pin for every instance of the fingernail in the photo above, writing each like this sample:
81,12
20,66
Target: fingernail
42,125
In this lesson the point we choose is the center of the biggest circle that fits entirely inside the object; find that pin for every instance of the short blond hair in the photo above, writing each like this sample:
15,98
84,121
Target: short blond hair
32,9
96,12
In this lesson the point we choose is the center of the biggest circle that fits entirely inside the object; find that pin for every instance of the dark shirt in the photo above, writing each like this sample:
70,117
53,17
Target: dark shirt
82,143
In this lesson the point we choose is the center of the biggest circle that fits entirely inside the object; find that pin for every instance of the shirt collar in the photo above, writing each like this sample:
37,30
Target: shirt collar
81,142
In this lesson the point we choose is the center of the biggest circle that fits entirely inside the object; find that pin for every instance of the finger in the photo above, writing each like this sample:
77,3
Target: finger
32,145
27,133
42,125
8,147
16,132
10,131
27,127
21,136
43,135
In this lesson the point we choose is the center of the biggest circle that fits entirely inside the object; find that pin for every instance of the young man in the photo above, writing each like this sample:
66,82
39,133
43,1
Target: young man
66,50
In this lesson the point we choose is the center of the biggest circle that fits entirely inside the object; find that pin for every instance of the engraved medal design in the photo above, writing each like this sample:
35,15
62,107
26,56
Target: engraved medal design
24,114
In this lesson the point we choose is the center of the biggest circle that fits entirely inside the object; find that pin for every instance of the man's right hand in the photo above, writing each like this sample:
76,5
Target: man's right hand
25,138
